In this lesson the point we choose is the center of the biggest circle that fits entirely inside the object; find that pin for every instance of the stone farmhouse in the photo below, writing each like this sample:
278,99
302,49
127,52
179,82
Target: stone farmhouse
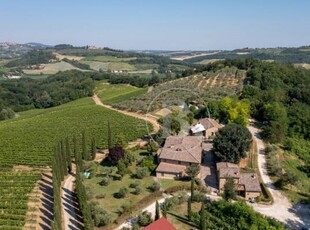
178,153
247,184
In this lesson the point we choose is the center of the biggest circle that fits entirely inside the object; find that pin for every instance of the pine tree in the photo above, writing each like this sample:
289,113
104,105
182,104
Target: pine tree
68,156
93,148
157,213
189,209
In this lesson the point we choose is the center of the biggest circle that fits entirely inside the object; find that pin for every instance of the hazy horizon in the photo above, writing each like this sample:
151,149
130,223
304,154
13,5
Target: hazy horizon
160,25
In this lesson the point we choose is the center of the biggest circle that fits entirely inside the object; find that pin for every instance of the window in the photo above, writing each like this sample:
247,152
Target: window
179,162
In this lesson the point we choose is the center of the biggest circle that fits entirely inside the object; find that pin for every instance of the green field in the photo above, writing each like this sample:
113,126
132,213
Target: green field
105,66
112,94
29,139
15,188
108,59
52,68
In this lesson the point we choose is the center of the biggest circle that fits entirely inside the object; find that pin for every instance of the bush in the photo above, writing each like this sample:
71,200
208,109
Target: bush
154,187
138,190
134,185
141,172
100,216
105,181
126,208
148,162
171,202
199,197
145,218
121,193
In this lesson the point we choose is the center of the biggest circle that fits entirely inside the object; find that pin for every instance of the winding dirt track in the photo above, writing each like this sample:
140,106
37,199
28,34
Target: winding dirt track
146,117
295,216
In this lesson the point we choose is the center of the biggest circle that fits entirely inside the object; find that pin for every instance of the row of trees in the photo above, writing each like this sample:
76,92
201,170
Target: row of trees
61,165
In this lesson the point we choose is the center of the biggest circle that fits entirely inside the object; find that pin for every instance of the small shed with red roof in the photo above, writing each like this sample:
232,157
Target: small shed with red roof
160,224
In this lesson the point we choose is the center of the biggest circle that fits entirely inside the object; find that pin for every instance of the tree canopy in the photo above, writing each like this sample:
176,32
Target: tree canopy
231,143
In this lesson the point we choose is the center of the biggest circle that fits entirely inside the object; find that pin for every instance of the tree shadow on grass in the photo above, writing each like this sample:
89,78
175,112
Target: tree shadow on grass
183,220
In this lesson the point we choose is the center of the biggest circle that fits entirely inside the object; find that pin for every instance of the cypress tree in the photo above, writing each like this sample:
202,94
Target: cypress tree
189,209
109,136
63,158
68,156
203,223
93,148
59,162
84,147
77,155
157,213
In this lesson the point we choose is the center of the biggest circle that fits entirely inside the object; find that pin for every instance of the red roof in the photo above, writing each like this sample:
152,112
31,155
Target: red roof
160,224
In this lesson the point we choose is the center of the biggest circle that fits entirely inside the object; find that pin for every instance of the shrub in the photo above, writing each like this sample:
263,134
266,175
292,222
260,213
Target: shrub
141,172
171,202
138,190
199,197
145,218
121,193
134,185
154,187
148,162
100,216
126,208
105,181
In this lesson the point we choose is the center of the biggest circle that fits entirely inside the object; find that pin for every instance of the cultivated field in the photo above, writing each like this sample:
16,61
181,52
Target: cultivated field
111,94
52,68
15,188
225,82
29,139
105,66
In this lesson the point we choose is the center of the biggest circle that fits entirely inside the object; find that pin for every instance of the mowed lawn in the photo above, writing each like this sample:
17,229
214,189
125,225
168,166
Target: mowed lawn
30,139
109,202
113,94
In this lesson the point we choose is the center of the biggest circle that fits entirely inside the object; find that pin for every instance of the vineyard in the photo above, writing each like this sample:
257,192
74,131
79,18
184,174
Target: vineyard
29,139
112,94
15,188
224,82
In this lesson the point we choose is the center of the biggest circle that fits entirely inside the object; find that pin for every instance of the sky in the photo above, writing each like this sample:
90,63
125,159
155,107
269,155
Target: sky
158,24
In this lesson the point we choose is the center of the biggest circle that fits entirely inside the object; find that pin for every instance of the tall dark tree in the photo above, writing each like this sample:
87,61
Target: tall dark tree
192,171
229,189
231,143
85,154
63,157
109,136
189,209
68,155
93,148
157,211
203,223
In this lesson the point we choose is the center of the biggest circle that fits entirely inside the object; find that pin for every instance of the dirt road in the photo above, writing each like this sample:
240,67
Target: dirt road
295,216
146,117
72,219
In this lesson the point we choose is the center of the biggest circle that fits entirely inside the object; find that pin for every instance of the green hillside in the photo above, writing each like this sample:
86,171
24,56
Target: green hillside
29,139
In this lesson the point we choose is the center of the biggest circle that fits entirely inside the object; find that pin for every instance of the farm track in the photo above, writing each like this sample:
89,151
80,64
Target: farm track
72,218
295,216
146,117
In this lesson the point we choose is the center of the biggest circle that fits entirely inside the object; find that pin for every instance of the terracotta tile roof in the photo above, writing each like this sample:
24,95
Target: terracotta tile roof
229,172
170,168
220,165
186,149
209,123
160,224
250,182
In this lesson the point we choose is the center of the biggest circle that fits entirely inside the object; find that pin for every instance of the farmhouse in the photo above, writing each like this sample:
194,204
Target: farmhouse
247,184
206,127
177,154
